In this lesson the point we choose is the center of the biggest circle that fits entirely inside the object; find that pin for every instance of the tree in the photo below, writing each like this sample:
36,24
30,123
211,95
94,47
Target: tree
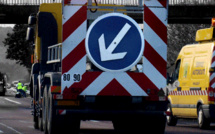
17,47
180,35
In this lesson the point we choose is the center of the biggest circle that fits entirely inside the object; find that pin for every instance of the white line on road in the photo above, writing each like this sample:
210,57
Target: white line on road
30,127
13,101
1,132
10,128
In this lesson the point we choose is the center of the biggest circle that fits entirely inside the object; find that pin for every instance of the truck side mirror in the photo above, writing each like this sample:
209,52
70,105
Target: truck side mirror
30,34
32,20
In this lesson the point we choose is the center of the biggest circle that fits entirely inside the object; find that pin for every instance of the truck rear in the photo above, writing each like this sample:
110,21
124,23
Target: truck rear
96,63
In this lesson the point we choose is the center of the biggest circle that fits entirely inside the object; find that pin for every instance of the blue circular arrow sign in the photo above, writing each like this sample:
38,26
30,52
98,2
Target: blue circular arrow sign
114,42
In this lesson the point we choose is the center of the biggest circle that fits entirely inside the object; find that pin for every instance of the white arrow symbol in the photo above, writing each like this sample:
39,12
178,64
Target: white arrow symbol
107,54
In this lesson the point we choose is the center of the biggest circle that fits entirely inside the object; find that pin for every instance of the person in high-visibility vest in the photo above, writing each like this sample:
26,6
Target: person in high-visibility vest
24,89
19,86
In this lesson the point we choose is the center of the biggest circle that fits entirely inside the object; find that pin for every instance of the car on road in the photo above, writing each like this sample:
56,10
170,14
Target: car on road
2,89
3,82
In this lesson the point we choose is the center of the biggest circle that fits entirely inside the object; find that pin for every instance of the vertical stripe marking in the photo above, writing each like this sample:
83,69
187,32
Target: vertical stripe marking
73,23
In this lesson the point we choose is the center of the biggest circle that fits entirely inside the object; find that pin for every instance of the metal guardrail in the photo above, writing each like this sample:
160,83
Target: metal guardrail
27,2
171,2
54,53
191,2
37,2
116,2
119,2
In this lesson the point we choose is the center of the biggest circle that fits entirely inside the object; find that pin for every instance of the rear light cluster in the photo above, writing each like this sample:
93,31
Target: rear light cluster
168,113
211,94
156,95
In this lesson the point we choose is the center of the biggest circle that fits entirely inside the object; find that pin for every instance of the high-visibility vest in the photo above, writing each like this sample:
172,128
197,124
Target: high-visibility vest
19,85
24,88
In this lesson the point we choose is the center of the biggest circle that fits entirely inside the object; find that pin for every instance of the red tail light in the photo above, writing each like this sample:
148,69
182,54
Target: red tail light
156,95
168,113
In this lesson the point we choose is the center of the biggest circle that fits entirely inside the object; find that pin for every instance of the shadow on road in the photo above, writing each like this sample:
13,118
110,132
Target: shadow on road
189,129
96,131
197,127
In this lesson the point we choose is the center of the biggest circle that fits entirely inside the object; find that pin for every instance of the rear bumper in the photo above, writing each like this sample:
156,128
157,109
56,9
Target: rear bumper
105,112
209,111
108,114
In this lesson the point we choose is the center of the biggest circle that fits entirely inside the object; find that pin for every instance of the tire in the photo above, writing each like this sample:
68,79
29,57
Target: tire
203,122
59,124
160,125
51,115
126,126
118,126
171,120
35,118
40,118
154,124
40,123
71,124
44,109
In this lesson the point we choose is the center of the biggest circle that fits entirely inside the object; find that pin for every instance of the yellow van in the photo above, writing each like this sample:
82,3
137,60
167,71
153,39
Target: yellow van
194,96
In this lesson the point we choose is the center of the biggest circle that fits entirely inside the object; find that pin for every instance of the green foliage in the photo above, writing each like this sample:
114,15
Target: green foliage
180,35
17,47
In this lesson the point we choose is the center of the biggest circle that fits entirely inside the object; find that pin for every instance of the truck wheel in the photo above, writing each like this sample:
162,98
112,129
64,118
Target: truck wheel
118,125
35,118
128,125
152,124
155,124
71,124
51,114
171,120
40,123
159,123
40,117
44,109
203,122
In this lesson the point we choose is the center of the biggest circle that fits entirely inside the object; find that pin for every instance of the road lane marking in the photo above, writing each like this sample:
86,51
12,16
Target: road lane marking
27,122
1,131
30,127
13,101
10,128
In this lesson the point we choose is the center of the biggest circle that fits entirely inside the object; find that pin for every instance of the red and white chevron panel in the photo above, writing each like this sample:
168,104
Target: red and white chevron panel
61,112
186,93
73,46
101,83
212,75
211,90
155,34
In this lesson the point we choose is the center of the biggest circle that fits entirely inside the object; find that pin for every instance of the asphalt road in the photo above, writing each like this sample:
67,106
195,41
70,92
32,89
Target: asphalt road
16,118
